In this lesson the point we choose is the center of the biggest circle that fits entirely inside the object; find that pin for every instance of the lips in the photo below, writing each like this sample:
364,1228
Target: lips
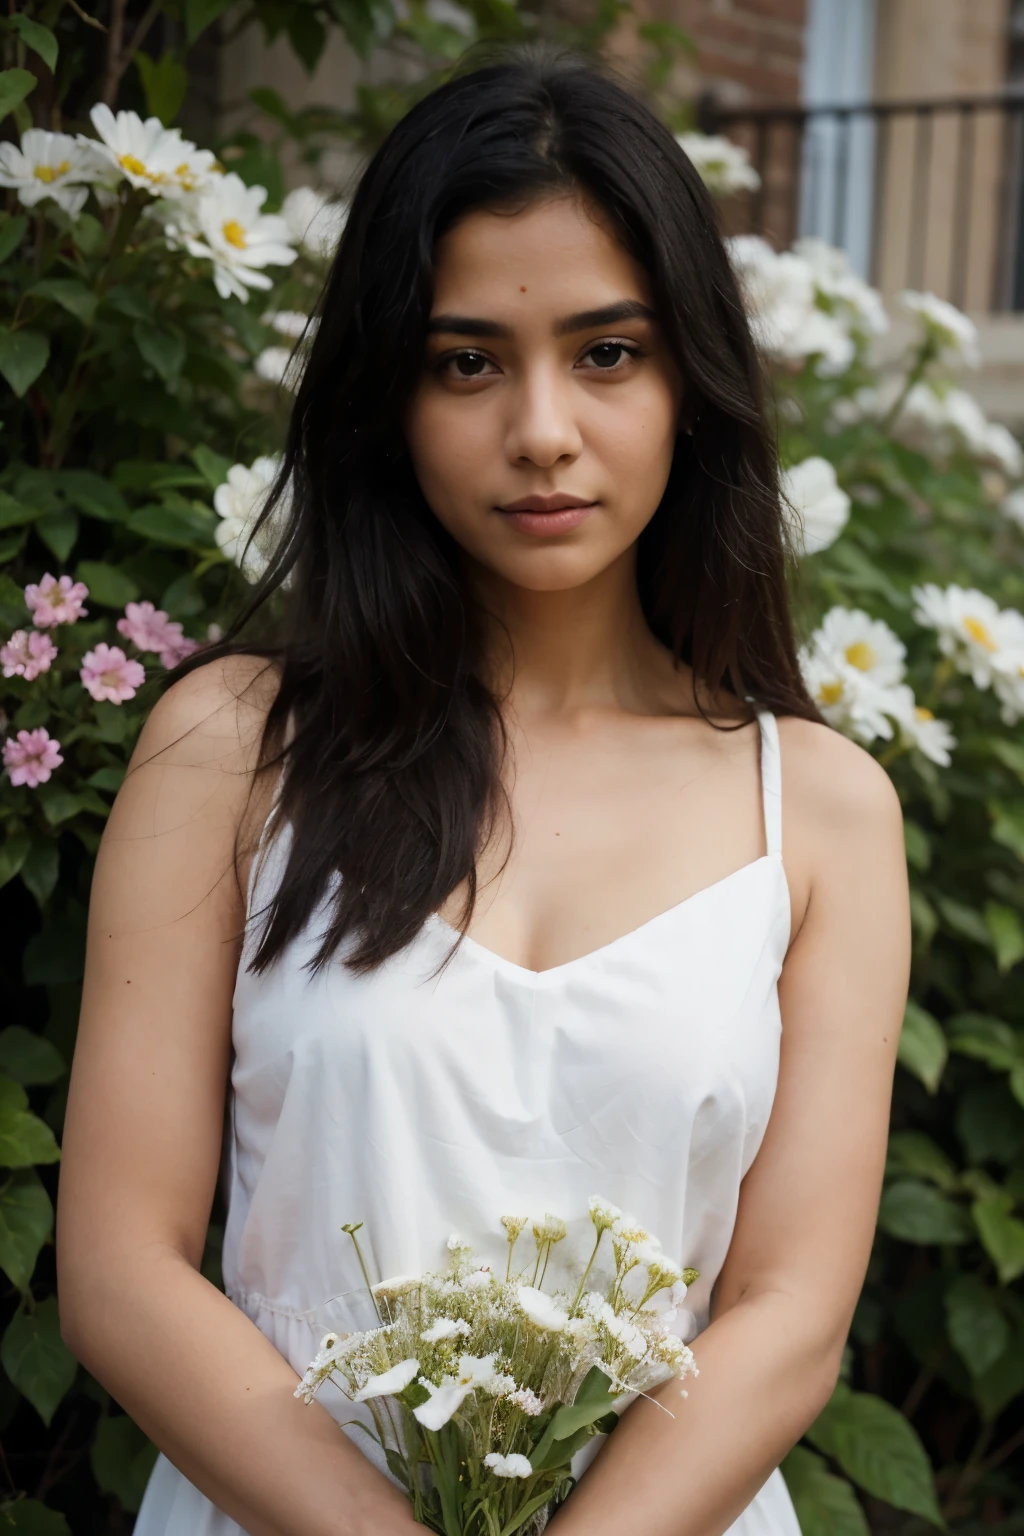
556,503
546,516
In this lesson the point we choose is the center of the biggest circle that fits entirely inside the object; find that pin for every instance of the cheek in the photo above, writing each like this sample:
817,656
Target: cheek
447,447
636,440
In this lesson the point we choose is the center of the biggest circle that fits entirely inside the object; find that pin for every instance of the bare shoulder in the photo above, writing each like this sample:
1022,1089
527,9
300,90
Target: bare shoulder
833,785
215,713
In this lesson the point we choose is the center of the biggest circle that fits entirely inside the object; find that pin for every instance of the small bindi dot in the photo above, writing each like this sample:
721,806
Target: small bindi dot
522,290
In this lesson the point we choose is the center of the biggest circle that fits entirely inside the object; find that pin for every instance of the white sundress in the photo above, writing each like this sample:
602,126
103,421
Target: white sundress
426,1104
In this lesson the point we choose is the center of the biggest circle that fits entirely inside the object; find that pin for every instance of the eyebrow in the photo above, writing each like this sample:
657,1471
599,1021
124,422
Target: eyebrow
586,320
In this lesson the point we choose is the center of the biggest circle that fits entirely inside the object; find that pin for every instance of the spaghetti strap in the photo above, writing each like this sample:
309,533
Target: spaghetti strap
771,781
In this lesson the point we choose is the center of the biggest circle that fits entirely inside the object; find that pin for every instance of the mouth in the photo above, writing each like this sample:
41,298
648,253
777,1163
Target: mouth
546,516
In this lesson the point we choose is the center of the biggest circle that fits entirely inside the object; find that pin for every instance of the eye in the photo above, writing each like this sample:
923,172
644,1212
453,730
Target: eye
609,356
465,364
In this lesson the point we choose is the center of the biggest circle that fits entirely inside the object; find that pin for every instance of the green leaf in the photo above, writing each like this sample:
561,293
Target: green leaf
199,14
109,779
37,37
978,1329
88,234
59,532
27,1517
57,953
212,466
918,1213
28,1058
13,228
24,1138
365,25
923,916
26,1222
13,853
1009,753
15,513
59,803
986,1039
23,354
164,85
922,1047
1007,934
965,921
161,348
1002,1235
15,85
122,1458
919,850
876,1447
70,294
36,1358
825,1505
172,525
40,870
108,585
307,35
1004,1381
1008,825
93,494
913,1154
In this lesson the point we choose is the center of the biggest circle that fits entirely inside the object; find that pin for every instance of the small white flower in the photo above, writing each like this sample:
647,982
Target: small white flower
149,155
389,1382
513,1465
279,365
224,225
1013,506
1002,449
542,1310
954,336
447,1397
477,1279
968,624
919,727
866,644
782,300
854,299
527,1401
47,165
238,502
314,221
445,1328
457,1244
819,505
724,167
550,1230
628,1230
1008,678
292,323
397,1285
846,697
602,1213
514,1225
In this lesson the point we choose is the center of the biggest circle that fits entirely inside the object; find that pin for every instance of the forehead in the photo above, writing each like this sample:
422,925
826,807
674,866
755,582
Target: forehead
558,253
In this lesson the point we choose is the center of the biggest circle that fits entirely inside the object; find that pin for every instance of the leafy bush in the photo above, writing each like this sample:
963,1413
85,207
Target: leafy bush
145,371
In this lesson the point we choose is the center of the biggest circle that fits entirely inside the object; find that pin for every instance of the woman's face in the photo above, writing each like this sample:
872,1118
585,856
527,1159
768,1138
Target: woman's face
544,422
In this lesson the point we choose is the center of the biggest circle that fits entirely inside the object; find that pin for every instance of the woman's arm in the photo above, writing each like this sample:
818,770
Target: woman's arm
142,1140
770,1358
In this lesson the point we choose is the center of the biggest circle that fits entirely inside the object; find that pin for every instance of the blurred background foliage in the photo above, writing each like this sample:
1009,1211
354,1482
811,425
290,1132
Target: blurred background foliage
143,393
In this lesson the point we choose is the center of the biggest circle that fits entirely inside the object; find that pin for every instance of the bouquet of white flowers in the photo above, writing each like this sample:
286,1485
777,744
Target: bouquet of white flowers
482,1389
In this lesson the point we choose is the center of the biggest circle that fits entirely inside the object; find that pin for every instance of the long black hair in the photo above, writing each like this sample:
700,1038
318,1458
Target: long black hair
393,776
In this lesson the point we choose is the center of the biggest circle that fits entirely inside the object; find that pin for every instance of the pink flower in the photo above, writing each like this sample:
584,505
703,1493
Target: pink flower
27,653
30,757
108,674
150,629
56,602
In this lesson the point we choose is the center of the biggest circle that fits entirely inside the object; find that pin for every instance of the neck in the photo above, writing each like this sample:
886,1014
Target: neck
587,647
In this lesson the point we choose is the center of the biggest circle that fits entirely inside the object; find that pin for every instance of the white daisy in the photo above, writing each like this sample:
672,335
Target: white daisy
447,1397
819,504
47,165
542,1309
238,502
225,226
866,644
919,727
724,167
445,1328
314,221
389,1382
968,624
785,318
953,336
846,697
856,300
149,155
1008,671
279,365
1013,506
292,323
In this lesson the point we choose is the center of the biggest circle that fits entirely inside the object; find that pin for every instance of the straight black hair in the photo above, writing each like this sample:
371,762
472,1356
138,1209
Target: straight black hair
393,776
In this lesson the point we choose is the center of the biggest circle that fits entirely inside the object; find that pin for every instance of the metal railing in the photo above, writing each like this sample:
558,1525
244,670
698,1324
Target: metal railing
921,194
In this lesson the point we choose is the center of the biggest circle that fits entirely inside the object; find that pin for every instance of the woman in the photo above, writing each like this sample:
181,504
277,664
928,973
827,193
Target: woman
522,772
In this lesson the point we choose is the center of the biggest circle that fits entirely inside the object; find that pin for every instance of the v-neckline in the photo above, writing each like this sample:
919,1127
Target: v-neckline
501,963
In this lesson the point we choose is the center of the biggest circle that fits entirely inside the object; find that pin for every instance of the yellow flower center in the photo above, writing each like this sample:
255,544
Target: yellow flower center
861,656
49,173
830,693
132,164
979,633
234,234
923,714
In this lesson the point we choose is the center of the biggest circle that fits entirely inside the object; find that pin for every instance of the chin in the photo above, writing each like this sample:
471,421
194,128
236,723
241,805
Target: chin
551,570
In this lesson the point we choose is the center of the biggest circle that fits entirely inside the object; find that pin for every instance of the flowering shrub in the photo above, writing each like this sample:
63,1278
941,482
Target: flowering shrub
156,302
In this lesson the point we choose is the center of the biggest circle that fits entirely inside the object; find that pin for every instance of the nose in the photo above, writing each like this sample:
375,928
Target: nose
542,426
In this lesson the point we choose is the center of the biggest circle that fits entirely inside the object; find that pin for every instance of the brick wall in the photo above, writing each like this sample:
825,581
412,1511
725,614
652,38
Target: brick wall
750,50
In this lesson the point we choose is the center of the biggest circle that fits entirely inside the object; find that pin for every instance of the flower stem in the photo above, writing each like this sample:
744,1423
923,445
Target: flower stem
352,1228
